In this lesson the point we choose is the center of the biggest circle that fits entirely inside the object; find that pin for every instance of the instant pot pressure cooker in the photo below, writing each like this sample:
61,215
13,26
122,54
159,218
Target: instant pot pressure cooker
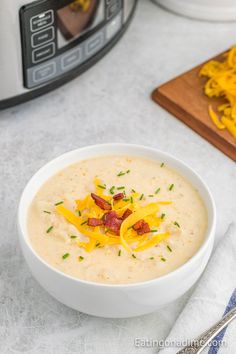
46,43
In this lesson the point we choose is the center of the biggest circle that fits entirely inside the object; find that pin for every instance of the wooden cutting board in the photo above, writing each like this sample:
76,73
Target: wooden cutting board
185,99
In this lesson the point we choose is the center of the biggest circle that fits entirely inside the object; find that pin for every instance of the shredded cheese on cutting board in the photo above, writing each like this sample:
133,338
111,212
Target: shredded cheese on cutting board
221,82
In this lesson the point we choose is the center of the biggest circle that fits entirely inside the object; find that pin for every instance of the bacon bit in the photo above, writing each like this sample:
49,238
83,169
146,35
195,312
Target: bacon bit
141,227
144,229
106,215
127,213
110,215
112,221
138,224
118,196
94,222
102,203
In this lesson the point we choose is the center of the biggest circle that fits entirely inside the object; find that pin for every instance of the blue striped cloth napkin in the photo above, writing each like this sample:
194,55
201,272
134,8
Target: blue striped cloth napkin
214,296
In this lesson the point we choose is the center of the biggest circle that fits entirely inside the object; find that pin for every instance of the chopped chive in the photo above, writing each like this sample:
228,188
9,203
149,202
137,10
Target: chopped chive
162,216
79,212
171,187
153,230
111,190
81,258
119,253
47,212
120,188
126,199
61,202
128,171
163,259
162,164
100,186
151,258
157,190
85,222
151,195
169,248
142,195
66,255
177,224
121,174
130,227
73,236
98,244
133,255
133,191
49,229
131,199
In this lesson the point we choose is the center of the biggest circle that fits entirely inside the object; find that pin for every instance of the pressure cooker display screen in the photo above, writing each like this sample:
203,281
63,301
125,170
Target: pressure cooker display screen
77,18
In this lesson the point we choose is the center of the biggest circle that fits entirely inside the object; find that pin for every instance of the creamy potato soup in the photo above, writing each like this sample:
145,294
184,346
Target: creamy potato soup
117,219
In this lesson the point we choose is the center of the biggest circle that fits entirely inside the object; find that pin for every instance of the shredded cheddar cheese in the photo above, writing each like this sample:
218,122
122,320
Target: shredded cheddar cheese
152,242
216,119
83,5
77,221
222,83
127,236
141,213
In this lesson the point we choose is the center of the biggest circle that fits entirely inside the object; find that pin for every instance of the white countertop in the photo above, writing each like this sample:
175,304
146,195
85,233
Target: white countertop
108,103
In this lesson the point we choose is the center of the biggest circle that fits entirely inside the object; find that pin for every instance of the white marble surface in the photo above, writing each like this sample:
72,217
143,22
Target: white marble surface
108,103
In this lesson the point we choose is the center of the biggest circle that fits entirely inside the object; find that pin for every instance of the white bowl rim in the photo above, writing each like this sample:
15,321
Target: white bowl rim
211,227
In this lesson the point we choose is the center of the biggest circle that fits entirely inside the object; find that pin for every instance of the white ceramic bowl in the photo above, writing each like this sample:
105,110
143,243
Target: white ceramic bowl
107,300
213,10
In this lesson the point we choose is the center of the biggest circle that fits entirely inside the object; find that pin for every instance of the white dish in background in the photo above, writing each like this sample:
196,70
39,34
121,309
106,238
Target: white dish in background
108,300
212,10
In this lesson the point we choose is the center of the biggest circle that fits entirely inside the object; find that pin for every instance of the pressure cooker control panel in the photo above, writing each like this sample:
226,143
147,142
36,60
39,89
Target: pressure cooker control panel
58,36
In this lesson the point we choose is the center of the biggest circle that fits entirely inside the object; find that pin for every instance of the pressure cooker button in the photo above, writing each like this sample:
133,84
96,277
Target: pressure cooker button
42,37
113,9
71,59
42,53
94,44
44,72
41,20
114,26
